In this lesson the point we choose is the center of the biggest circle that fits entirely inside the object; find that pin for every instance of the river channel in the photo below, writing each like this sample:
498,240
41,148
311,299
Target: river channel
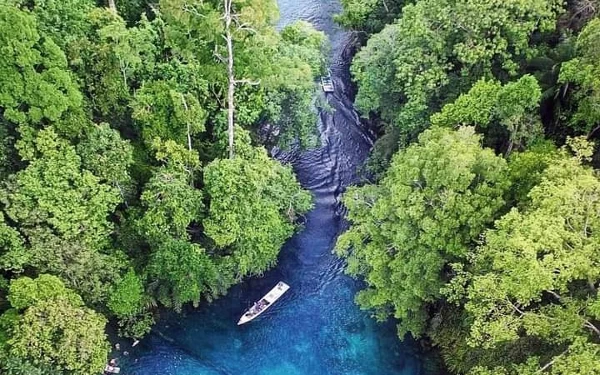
315,328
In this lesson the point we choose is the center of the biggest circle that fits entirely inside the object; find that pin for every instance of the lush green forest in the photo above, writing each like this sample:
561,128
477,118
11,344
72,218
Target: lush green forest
133,164
135,177
480,229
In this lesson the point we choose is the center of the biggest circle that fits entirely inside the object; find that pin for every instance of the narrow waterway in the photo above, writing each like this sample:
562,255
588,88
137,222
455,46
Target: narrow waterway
315,328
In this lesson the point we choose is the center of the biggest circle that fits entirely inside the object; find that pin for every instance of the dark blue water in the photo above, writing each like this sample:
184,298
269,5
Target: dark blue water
315,328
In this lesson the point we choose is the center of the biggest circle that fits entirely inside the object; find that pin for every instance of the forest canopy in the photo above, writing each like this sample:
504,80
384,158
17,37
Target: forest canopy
121,194
477,231
136,175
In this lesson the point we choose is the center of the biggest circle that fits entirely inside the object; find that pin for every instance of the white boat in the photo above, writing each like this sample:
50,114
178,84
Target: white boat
327,83
264,303
108,369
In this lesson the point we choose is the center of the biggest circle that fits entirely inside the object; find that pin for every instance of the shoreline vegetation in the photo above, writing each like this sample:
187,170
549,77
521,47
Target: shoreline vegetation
479,230
121,194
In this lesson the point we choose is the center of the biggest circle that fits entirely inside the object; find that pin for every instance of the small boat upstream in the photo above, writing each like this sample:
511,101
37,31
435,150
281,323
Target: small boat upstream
264,303
327,82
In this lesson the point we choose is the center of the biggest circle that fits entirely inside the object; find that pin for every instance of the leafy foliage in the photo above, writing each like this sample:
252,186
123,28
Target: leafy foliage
106,120
435,199
52,328
437,46
36,86
13,255
300,60
55,191
242,190
183,272
114,58
170,200
583,71
526,170
542,250
65,22
127,296
368,15
512,106
62,210
520,298
164,113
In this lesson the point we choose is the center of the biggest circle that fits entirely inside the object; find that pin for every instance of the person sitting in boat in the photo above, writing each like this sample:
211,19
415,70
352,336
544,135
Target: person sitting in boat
112,368
254,309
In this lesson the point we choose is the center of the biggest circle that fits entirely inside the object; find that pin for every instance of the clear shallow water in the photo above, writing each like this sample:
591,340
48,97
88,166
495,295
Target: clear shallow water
315,328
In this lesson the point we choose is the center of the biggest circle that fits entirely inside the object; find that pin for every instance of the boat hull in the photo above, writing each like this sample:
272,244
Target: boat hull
264,303
327,85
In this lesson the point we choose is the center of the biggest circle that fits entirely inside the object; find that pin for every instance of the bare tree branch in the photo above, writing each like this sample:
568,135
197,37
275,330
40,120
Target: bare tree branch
385,6
245,27
219,56
230,75
554,294
189,137
192,10
589,325
112,6
247,82
547,365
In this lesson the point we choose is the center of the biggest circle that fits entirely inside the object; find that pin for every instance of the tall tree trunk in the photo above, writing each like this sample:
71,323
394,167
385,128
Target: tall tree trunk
230,75
112,6
189,135
189,138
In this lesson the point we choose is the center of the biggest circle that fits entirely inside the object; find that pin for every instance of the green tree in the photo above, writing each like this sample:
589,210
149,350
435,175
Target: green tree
536,274
65,22
583,72
170,200
580,358
113,60
544,249
271,70
127,301
433,203
219,26
61,209
179,271
183,273
36,87
525,170
414,64
54,191
369,15
290,88
127,295
244,189
13,253
512,106
50,328
165,113
109,157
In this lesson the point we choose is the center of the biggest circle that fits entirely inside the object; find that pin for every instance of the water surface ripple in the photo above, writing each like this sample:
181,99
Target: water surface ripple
315,328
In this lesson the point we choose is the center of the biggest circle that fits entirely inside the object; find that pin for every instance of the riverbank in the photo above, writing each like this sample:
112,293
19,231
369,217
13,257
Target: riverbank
315,328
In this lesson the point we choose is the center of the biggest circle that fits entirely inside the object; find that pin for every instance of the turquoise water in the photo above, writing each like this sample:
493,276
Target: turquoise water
315,328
